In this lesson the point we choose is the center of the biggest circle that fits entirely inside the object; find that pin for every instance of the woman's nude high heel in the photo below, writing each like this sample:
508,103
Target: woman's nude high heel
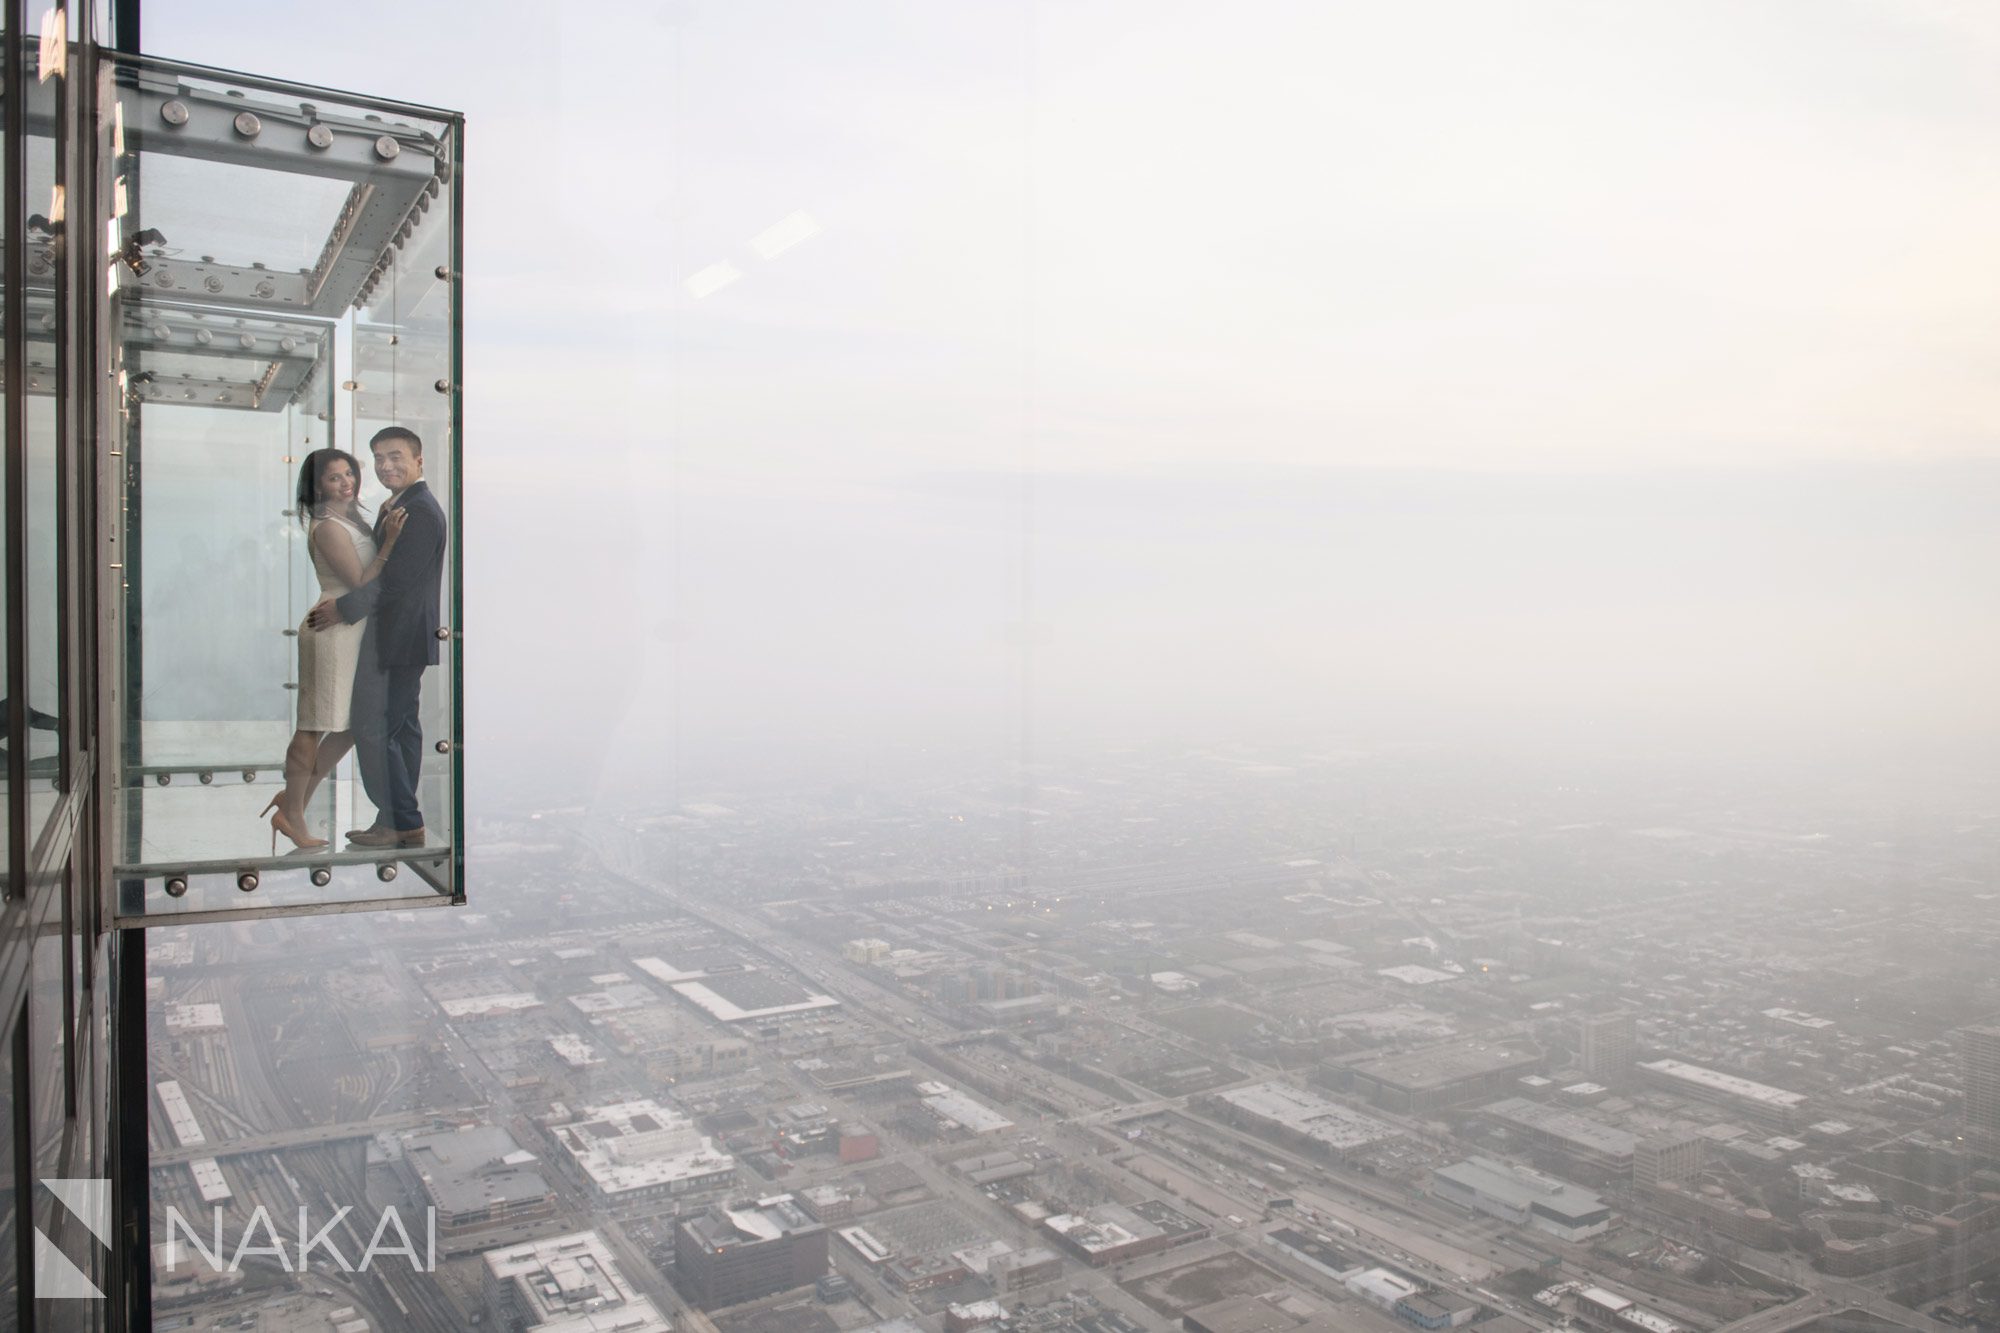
280,824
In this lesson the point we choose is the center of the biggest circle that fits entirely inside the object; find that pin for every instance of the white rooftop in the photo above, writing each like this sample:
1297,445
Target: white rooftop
571,1284
179,1114
1716,1081
484,1006
728,1011
1411,974
194,1018
636,1144
948,1103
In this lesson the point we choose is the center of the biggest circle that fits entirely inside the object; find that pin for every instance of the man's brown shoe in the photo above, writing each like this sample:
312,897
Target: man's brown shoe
386,837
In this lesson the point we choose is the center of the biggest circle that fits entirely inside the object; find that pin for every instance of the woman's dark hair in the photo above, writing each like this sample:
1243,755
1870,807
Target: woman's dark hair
309,474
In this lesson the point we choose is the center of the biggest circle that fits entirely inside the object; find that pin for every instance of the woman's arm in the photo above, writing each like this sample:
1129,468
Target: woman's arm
392,528
338,548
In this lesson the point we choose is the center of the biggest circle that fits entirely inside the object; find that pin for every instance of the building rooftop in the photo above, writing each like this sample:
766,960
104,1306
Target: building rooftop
571,1284
1311,1115
189,1018
1109,1226
1411,974
750,994
636,1144
1716,1081
1440,1066
751,1222
948,1103
488,1006
1518,1187
575,1051
1569,1126
466,1170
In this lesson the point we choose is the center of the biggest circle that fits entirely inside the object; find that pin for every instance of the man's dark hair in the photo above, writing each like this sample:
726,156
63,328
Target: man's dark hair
404,433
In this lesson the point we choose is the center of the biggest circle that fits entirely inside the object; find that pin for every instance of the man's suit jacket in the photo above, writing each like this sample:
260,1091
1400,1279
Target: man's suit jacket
401,604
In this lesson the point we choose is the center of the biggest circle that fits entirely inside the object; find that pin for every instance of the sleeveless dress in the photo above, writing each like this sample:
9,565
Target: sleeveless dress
327,657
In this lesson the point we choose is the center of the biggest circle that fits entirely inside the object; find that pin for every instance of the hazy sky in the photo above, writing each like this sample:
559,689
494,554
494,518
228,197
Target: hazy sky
1416,365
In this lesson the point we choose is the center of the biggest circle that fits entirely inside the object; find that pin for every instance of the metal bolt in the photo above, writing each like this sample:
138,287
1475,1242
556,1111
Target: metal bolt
444,747
160,331
247,881
213,283
443,633
245,340
248,125
249,775
288,343
443,386
177,886
319,136
207,778
163,279
204,337
386,871
163,778
321,877
386,147
443,273
174,113
267,289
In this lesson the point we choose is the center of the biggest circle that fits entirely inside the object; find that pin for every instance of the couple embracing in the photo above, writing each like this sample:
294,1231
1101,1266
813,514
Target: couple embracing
364,645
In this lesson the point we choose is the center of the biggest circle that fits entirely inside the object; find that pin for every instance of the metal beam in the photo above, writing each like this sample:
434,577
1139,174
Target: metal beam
393,170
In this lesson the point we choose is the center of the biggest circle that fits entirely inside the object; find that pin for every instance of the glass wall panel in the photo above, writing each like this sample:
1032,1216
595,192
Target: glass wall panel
10,1182
43,222
289,740
7,11
47,1122
405,379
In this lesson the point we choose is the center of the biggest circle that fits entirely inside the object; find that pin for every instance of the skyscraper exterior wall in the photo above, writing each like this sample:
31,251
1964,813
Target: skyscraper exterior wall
1981,1054
102,323
1675,1157
1609,1046
735,1253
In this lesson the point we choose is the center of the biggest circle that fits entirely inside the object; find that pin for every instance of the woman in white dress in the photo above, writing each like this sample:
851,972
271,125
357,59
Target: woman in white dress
344,556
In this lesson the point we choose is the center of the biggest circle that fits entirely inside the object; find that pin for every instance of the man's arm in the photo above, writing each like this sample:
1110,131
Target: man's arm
359,603
416,551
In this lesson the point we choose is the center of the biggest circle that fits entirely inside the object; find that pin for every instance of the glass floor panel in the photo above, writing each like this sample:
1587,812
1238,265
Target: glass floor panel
194,846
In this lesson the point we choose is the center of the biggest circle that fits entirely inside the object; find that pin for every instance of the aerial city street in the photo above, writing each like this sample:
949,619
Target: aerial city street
1223,1040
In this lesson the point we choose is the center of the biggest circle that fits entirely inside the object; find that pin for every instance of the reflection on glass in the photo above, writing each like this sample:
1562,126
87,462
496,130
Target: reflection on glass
47,1109
10,1273
6,618
42,222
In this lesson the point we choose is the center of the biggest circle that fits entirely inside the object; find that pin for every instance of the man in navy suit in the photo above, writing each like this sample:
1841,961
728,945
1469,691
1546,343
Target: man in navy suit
401,607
